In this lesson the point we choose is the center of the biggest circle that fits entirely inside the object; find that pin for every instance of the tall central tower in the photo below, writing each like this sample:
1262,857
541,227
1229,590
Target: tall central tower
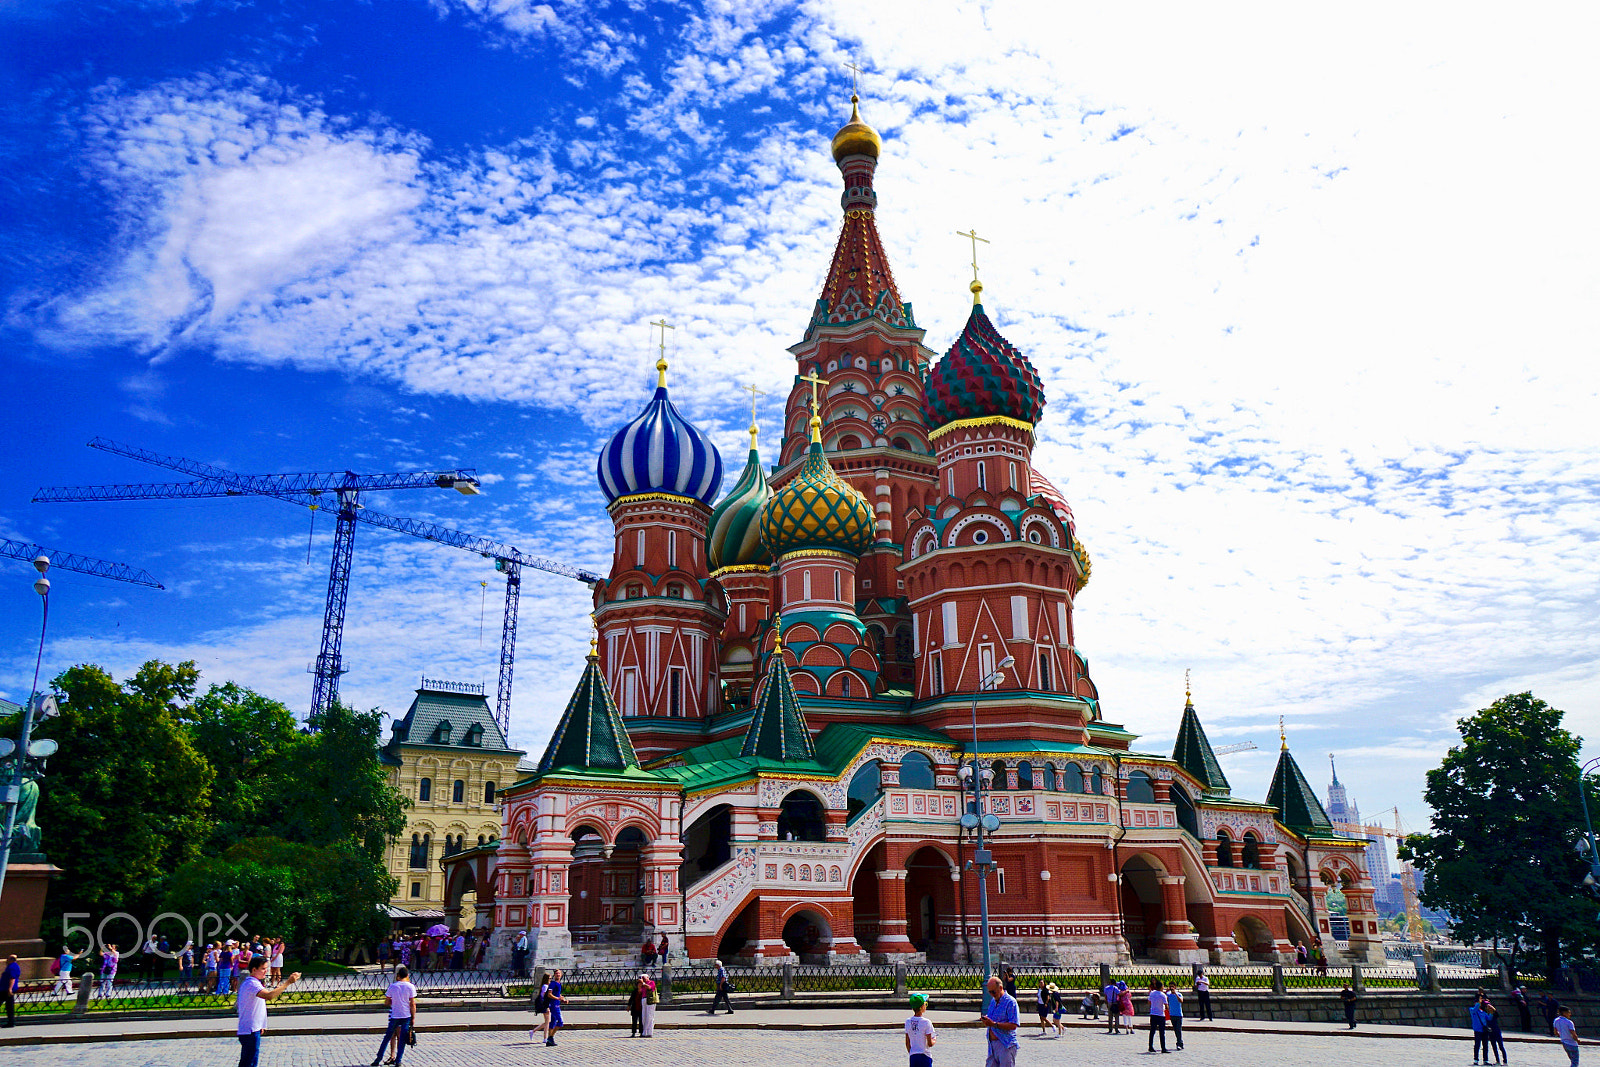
863,340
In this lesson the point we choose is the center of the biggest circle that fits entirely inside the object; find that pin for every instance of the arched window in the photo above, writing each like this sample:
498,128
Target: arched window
1187,819
425,789
916,771
418,859
1097,783
1024,775
481,841
1074,776
488,792
1251,853
879,642
1140,790
999,769
844,686
865,785
902,644
1224,849
1049,777
800,818
458,792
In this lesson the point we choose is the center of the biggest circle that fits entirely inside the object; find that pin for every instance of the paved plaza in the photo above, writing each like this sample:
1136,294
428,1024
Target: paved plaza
722,1047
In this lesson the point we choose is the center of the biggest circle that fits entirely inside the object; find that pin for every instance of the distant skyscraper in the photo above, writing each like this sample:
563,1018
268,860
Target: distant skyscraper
1341,809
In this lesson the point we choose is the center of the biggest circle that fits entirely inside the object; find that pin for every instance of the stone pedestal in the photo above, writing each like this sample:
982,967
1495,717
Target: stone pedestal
21,910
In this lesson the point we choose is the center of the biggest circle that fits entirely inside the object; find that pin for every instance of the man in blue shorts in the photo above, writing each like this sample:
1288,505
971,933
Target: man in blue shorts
554,999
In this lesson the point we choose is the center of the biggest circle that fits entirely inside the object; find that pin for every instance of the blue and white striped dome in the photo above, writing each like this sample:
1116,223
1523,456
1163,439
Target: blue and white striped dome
660,452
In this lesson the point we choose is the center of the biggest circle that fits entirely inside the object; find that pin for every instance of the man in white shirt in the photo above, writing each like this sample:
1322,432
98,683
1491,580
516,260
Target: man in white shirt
401,996
252,1004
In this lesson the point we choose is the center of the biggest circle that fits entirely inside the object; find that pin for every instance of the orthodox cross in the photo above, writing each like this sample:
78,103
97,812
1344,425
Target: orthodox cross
815,381
972,235
665,326
754,392
855,77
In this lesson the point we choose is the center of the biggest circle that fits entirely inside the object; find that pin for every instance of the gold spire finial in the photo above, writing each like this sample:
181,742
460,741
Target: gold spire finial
777,633
661,364
754,392
976,288
1187,697
816,419
1283,738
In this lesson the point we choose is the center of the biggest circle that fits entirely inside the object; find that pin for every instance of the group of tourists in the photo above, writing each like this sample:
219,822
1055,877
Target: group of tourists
431,952
222,966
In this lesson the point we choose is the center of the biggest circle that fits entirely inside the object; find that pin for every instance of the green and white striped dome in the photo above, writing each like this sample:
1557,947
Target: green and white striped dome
734,538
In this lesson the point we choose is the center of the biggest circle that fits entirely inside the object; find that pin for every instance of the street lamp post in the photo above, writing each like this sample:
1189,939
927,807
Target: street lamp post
1591,853
12,791
978,820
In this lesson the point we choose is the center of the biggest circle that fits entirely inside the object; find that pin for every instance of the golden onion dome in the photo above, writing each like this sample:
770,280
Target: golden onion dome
856,138
817,509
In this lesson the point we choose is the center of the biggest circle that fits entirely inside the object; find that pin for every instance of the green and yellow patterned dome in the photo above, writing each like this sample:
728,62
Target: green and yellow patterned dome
734,537
817,509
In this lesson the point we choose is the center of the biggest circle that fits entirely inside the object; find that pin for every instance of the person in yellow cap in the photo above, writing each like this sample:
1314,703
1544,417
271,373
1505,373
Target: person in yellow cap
919,1032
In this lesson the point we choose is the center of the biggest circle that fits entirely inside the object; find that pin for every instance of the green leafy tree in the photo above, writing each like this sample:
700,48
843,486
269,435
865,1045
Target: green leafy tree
1501,855
334,790
248,739
125,800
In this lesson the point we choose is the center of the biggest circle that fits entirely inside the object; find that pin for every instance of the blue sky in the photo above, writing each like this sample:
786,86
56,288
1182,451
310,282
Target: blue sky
1313,306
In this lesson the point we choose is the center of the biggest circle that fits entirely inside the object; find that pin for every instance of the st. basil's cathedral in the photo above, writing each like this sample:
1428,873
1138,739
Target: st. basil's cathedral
763,757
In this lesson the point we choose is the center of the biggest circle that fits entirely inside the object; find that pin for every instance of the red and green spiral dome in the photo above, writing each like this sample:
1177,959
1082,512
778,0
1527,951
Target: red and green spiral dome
981,376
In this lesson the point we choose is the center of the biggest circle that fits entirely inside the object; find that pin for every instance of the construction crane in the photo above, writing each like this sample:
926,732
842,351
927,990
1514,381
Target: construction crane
1228,750
69,561
220,482
346,486
1408,877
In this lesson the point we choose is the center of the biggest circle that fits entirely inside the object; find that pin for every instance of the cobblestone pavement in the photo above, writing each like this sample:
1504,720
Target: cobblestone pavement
736,1048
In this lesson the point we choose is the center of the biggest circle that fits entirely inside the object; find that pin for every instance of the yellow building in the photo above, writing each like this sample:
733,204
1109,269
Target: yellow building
448,757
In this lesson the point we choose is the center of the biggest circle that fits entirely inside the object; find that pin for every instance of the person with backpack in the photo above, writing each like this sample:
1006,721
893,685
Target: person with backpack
555,998
541,1008
636,1007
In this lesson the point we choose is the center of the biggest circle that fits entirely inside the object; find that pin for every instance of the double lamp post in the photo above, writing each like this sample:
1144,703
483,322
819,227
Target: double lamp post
979,821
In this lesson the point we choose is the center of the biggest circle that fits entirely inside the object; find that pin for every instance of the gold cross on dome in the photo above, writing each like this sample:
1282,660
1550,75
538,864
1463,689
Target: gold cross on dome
855,77
754,392
1186,684
972,235
815,381
665,326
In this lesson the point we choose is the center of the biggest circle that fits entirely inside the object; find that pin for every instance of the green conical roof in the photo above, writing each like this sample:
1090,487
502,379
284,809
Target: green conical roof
1193,752
590,734
778,728
1298,806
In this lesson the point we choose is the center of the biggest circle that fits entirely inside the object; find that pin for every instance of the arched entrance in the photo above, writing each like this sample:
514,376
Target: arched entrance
809,935
930,897
584,883
736,940
1142,910
865,914
1255,937
623,904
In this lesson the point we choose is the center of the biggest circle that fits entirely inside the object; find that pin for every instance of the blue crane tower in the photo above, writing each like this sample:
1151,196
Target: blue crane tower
307,490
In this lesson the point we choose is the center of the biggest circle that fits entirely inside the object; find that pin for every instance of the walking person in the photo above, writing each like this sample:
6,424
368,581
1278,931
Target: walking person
919,1033
10,980
1158,1014
1175,1014
1002,1019
541,1008
186,965
384,948
108,969
636,1008
1113,997
275,951
64,964
1348,996
1568,1034
652,997
554,997
401,996
1493,1036
1042,1005
724,988
254,996
1058,1006
148,969
1549,1007
458,953
1008,978
1202,993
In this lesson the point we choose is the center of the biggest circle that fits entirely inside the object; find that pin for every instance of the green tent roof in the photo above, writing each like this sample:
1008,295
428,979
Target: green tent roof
1298,806
778,729
590,734
1193,752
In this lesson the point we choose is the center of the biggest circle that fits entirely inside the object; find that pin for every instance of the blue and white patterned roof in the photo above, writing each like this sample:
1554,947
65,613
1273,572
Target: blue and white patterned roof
660,452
